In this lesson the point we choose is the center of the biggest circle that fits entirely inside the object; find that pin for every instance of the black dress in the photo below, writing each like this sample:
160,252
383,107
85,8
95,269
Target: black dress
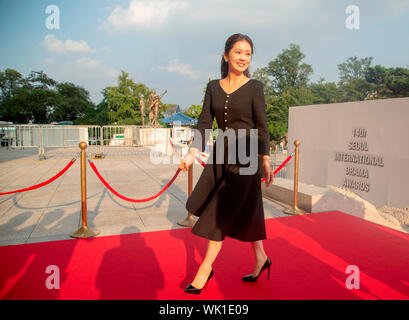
228,202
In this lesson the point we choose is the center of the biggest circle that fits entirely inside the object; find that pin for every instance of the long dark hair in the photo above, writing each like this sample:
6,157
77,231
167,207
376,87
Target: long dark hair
224,67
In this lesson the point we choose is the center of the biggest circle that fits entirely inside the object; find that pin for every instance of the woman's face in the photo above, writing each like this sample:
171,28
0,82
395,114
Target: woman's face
239,57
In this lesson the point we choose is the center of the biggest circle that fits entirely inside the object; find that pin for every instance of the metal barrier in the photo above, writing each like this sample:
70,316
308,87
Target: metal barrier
135,136
19,136
23,136
295,210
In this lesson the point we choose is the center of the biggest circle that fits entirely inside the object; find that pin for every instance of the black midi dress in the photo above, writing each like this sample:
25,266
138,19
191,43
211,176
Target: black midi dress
227,198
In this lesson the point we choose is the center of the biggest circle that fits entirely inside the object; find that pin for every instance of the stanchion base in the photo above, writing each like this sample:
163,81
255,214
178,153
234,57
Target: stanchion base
294,211
85,232
188,222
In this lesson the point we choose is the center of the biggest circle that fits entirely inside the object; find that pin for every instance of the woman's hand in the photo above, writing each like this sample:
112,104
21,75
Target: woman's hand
268,172
188,159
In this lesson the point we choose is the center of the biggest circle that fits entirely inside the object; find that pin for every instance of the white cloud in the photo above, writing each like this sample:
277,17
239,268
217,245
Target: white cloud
83,68
227,16
176,66
145,14
53,44
106,49
86,65
92,74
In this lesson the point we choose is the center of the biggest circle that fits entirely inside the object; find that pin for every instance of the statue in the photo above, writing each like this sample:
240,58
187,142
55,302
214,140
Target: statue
142,107
153,102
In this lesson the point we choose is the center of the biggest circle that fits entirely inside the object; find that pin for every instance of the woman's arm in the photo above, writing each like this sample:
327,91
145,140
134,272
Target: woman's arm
260,121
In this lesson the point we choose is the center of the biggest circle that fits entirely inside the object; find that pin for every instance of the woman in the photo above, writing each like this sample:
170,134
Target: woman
229,203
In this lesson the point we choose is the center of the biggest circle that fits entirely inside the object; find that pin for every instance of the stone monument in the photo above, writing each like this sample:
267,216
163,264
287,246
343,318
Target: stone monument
153,102
360,146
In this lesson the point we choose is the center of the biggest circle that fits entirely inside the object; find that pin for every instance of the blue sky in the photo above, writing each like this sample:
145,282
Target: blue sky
177,45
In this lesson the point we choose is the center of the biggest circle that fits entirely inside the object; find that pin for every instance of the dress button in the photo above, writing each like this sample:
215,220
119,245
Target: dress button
225,113
227,127
225,120
227,101
225,107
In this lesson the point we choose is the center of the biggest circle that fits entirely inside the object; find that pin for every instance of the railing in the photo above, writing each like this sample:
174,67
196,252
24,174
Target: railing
48,136
26,136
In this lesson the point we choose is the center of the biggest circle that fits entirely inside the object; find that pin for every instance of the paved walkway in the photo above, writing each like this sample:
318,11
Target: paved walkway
54,211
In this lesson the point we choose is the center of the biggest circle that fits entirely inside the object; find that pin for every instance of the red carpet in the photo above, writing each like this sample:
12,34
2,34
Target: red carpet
310,255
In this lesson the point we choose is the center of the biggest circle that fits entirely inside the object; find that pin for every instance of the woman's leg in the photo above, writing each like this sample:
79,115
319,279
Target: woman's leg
260,256
213,248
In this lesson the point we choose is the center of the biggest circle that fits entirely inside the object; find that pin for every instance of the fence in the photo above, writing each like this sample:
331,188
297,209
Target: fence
24,136
103,139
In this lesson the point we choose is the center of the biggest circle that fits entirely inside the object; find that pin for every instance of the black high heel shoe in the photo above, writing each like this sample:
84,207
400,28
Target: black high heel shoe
251,278
192,289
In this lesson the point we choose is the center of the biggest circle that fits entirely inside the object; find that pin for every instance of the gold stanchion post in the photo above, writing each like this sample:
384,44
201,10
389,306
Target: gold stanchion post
295,210
189,220
84,231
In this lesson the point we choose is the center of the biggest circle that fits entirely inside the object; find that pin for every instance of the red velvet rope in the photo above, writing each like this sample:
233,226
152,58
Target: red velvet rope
42,184
94,168
126,198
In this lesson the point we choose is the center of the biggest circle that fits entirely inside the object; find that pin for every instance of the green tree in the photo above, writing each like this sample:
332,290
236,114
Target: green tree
123,100
193,111
73,103
376,76
285,81
397,82
277,119
352,81
288,71
353,68
28,99
355,90
262,75
326,92
39,80
97,115
10,80
297,97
